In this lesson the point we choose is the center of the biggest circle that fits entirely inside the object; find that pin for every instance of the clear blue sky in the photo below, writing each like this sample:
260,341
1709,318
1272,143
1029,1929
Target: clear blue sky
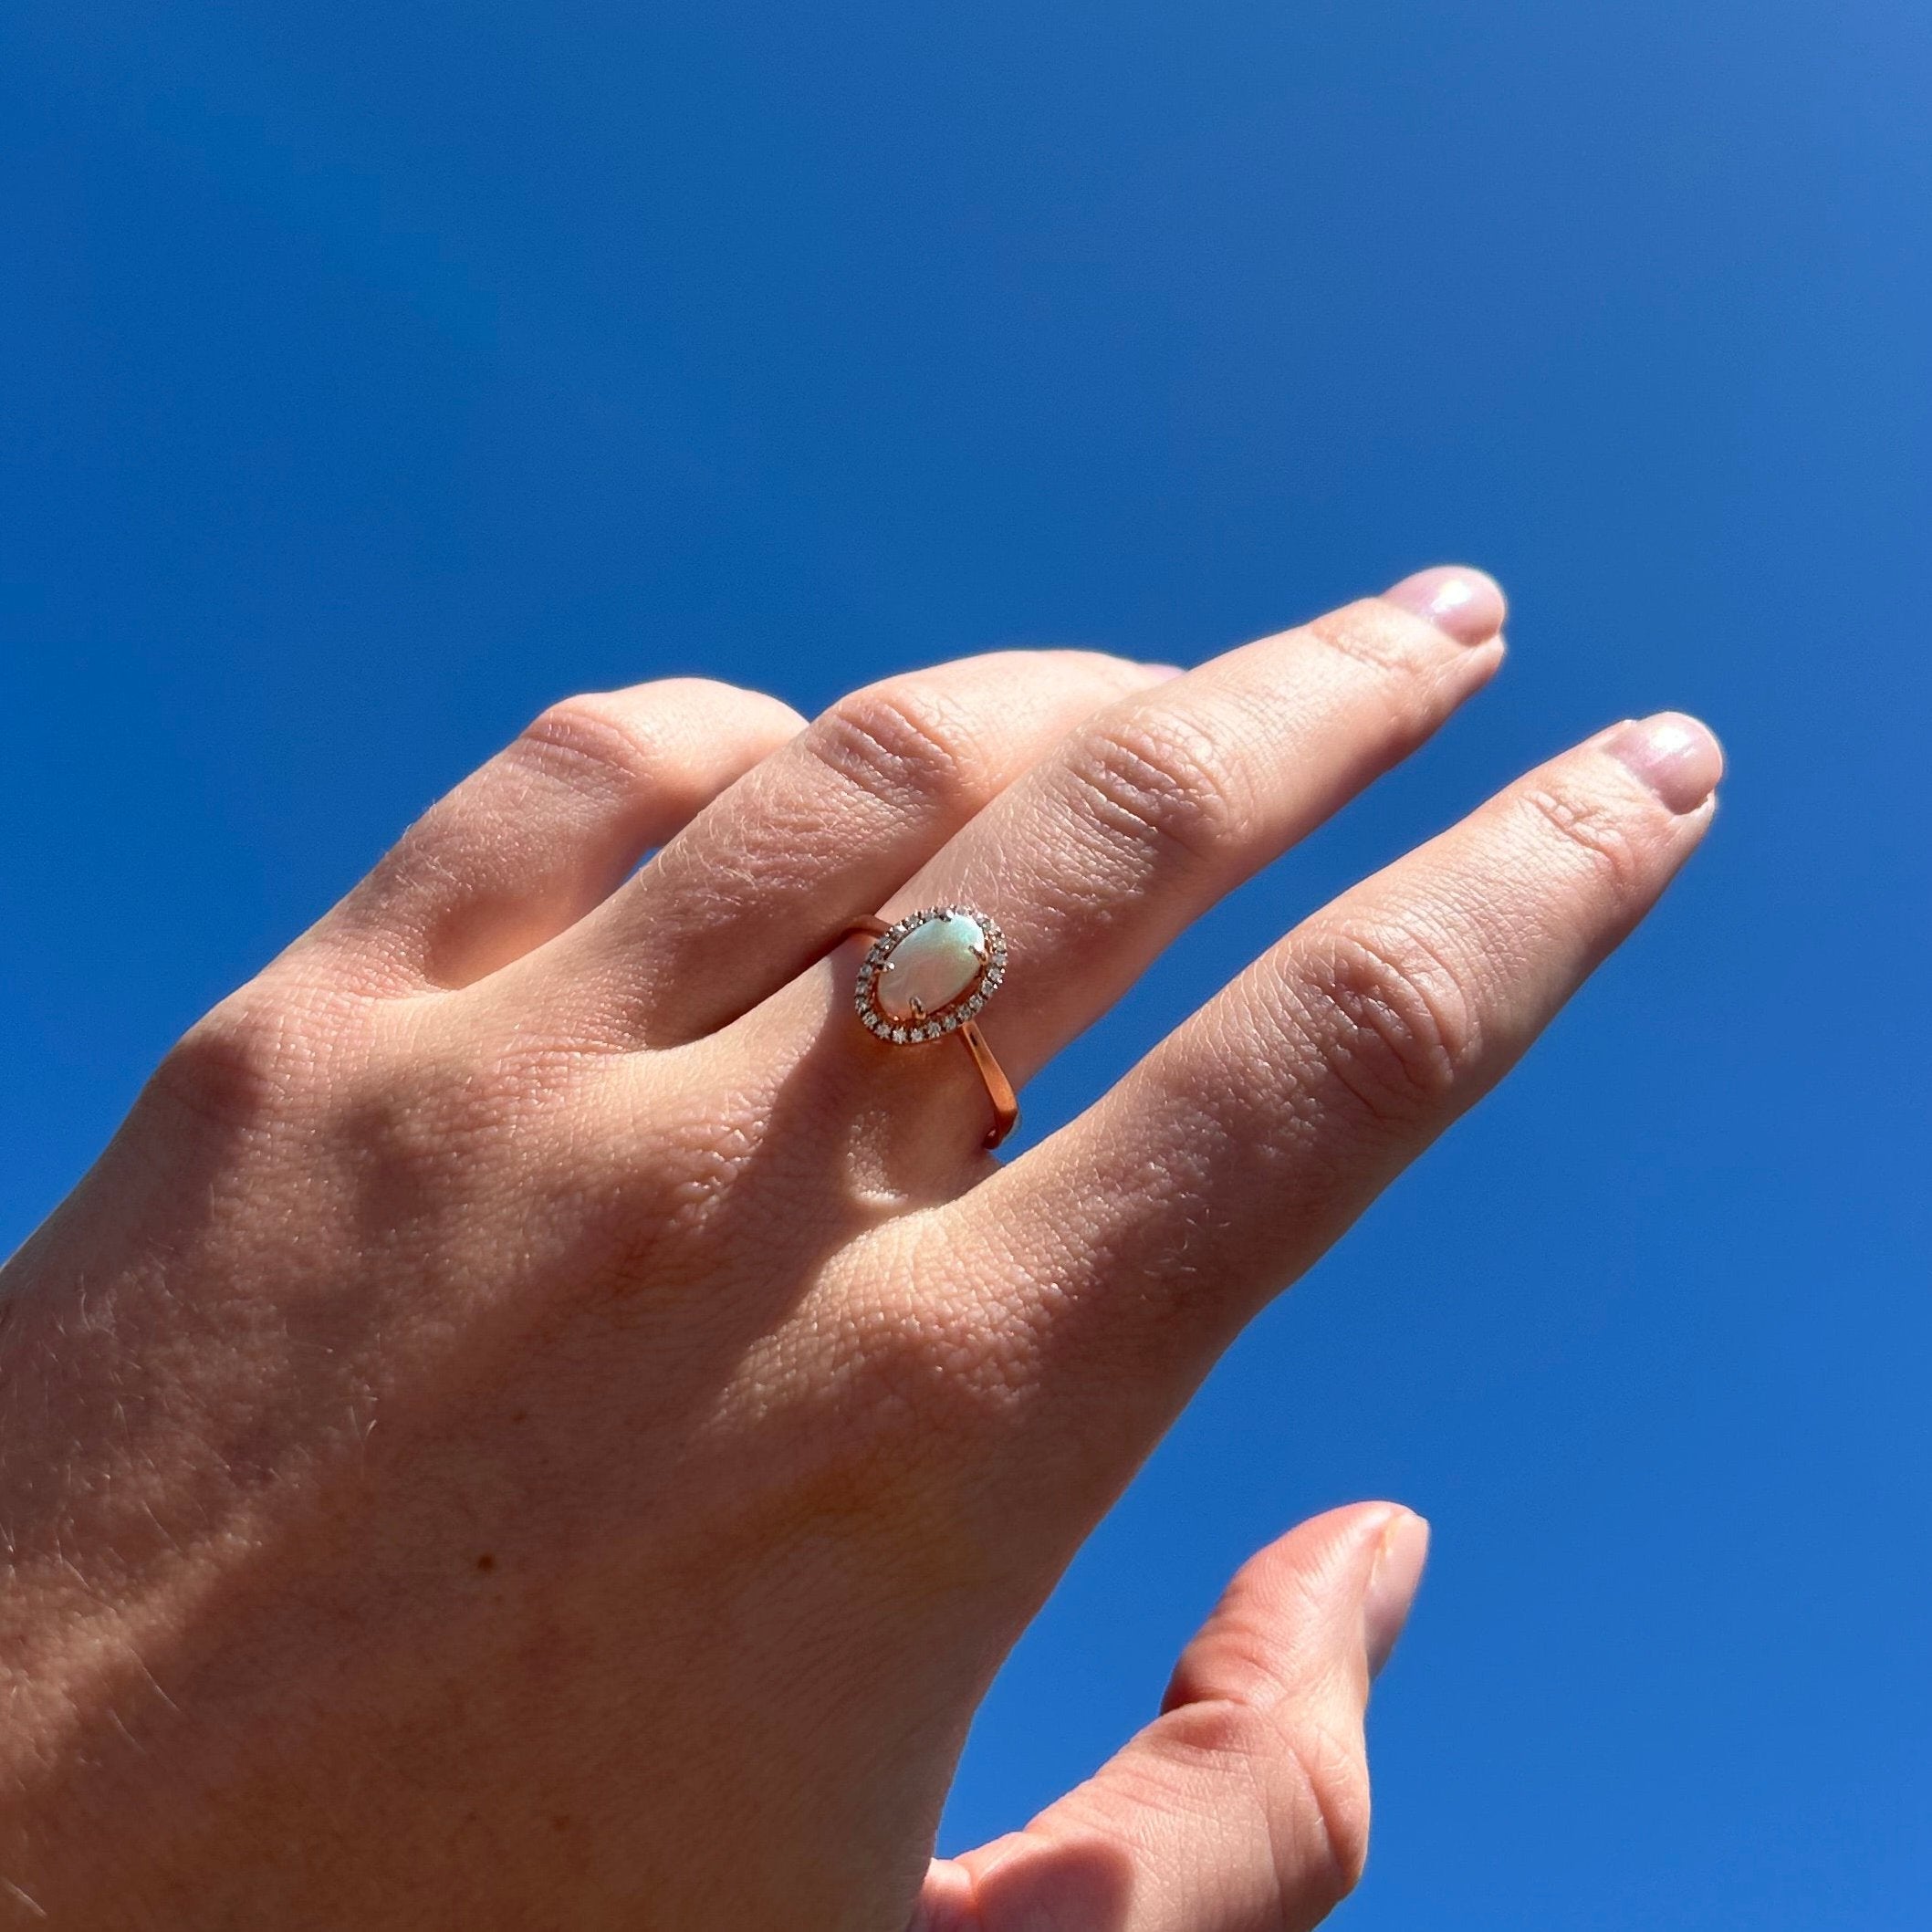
374,374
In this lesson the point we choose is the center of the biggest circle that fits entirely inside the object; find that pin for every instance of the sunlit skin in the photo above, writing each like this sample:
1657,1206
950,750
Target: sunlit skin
540,1420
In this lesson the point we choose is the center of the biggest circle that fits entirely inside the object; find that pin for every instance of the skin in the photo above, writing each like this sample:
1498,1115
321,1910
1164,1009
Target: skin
537,1419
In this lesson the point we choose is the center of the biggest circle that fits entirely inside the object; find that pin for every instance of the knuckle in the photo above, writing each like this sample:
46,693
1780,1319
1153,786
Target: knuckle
1309,1784
1598,830
1157,778
712,694
1375,635
916,1363
721,710
594,736
247,1062
1402,653
862,1438
698,1169
447,1123
1391,1021
900,741
1326,1843
929,1379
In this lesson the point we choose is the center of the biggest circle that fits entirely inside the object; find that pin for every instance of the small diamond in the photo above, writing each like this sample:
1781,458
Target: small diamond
899,1035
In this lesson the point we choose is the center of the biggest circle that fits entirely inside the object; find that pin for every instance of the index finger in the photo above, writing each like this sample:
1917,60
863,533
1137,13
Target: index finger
1124,1252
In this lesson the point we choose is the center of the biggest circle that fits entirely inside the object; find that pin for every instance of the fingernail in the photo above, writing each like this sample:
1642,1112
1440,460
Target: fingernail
1463,604
1676,756
1392,1584
1162,672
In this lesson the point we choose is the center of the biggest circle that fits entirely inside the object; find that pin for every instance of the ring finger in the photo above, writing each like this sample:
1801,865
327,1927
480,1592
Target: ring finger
767,878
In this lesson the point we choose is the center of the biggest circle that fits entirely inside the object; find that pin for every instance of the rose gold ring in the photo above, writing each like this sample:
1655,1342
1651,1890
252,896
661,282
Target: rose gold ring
928,975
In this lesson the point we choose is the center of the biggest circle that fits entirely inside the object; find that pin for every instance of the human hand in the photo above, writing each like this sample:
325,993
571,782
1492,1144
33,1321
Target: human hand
538,1419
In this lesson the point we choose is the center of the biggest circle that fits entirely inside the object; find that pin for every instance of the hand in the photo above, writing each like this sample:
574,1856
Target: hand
538,1419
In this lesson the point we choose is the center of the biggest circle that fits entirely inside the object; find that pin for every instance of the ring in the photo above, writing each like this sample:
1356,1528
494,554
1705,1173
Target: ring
928,975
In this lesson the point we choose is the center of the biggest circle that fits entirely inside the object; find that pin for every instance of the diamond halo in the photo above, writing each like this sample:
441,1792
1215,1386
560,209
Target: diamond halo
977,962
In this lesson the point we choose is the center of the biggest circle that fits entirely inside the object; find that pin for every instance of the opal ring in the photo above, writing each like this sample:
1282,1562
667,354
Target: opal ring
928,975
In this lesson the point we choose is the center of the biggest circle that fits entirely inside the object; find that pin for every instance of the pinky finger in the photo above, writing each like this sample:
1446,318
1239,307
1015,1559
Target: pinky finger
531,841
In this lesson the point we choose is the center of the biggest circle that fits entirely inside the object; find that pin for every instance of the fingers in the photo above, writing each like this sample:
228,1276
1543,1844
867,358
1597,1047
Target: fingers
1144,1233
537,837
1244,1807
762,884
1156,806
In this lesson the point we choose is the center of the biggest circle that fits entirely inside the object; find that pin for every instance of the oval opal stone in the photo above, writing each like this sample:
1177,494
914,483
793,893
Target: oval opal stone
934,964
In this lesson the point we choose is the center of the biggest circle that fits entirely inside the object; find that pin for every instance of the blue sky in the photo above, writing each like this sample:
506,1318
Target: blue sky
372,376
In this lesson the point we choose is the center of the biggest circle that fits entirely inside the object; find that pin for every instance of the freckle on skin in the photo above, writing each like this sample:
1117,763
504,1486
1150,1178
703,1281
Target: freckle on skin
485,1562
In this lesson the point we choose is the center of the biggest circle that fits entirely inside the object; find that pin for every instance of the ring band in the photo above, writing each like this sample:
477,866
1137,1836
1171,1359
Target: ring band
928,975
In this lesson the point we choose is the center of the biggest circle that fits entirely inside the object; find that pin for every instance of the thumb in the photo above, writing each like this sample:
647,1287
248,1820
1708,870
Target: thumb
1244,1806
